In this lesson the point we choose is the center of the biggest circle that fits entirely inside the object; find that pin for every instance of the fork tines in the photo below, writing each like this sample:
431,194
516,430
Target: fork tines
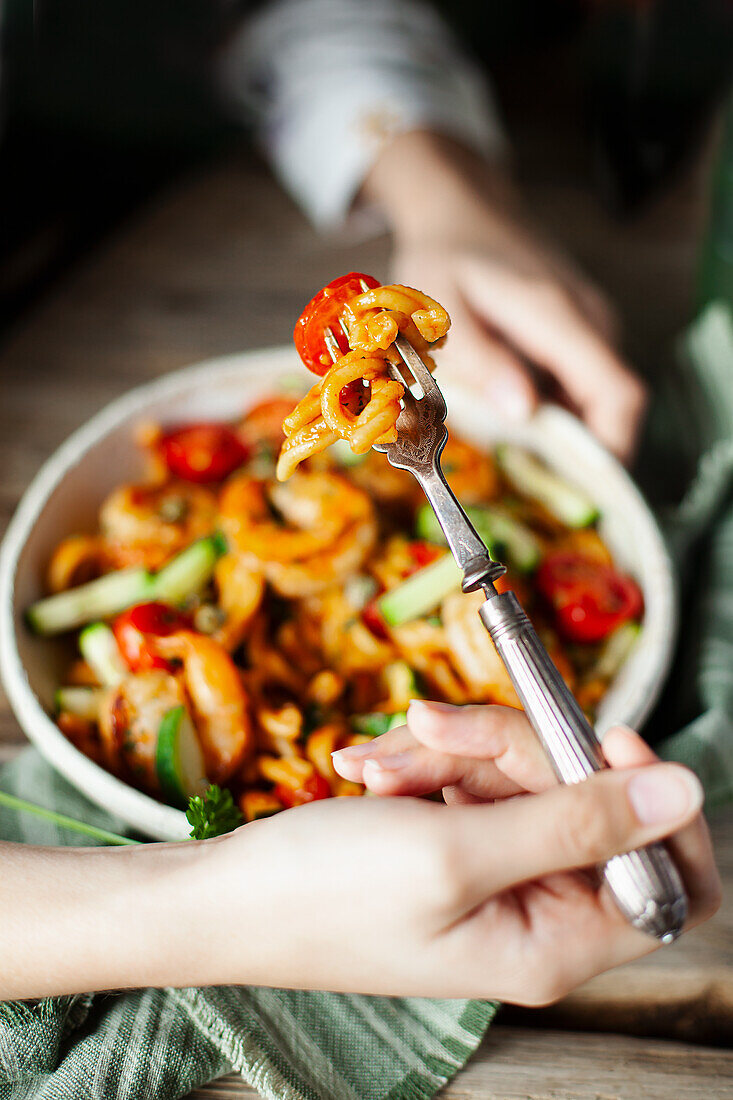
429,387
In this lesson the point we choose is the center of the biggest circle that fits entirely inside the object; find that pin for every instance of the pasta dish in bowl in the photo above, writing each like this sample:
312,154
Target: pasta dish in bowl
195,619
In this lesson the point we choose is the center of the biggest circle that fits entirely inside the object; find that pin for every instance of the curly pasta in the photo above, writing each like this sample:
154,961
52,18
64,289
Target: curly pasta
373,320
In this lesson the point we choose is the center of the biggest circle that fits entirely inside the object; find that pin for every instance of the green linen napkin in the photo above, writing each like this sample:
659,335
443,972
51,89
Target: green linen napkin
693,413
160,1044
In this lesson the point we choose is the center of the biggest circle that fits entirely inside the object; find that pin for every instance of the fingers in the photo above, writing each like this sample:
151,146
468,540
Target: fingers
570,827
486,752
397,764
349,762
541,320
422,771
501,734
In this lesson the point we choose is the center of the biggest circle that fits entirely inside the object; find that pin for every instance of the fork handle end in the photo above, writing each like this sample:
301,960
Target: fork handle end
645,883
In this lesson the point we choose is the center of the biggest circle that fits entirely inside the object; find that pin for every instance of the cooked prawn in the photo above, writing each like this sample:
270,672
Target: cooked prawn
129,720
328,529
76,559
220,703
240,590
472,651
470,473
146,525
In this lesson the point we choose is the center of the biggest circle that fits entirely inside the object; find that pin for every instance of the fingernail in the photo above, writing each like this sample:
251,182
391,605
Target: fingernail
353,752
658,795
431,706
389,763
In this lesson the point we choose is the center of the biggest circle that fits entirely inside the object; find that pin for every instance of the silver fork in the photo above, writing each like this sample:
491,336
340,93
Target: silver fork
645,883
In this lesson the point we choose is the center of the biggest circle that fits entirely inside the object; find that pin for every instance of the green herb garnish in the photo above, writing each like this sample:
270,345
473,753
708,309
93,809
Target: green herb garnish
212,813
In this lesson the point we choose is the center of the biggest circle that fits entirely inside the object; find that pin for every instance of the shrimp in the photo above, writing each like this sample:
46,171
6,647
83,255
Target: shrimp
327,531
390,487
76,559
472,651
470,473
220,703
240,590
146,525
129,719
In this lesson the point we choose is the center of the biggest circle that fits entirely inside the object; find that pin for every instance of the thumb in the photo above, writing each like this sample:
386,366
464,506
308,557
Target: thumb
574,826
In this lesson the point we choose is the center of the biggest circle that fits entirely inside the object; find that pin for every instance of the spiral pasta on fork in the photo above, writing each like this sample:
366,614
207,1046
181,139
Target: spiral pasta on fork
355,399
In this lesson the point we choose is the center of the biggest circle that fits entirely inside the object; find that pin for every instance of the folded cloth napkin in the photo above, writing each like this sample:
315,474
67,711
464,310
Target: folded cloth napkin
160,1044
691,429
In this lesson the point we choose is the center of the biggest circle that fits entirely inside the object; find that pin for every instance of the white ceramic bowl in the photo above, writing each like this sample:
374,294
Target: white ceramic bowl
65,496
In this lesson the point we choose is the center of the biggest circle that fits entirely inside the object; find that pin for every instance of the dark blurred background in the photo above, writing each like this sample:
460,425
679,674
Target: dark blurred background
106,101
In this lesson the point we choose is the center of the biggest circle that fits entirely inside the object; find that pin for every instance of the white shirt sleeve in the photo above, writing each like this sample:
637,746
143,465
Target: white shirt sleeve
327,82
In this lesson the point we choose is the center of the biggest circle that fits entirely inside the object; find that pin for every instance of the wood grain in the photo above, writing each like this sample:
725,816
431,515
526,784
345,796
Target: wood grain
222,262
515,1064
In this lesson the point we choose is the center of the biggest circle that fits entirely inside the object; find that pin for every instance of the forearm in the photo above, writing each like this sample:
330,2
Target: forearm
428,185
78,920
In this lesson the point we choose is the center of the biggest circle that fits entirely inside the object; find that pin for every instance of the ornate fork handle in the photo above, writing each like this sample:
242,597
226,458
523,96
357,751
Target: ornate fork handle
645,883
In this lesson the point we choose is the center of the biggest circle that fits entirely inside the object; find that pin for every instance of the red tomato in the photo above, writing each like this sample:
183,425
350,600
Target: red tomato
323,312
202,452
314,788
589,598
371,616
137,628
423,553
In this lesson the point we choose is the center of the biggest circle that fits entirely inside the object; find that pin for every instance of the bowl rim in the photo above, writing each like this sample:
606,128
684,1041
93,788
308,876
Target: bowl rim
97,784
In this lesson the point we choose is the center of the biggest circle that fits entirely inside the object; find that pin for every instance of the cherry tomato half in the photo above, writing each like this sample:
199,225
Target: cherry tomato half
137,628
314,788
202,452
589,598
371,616
423,553
323,312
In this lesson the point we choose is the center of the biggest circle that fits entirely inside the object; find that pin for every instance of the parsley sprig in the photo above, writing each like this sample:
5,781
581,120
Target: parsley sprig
212,813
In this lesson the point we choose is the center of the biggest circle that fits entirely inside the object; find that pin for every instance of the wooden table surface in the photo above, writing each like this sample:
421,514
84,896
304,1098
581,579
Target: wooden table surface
222,262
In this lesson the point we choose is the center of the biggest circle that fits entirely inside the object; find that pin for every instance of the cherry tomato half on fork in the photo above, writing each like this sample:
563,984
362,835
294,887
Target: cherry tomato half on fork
589,598
137,628
202,452
323,312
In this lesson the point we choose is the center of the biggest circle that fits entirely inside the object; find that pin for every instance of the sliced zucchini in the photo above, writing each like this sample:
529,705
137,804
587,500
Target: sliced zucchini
532,478
421,592
500,533
377,723
82,701
189,571
96,600
615,651
99,649
182,577
179,761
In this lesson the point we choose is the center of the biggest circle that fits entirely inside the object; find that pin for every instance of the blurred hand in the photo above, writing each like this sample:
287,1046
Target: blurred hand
513,300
